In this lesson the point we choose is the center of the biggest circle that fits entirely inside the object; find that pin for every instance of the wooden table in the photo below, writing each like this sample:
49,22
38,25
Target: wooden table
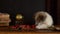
29,32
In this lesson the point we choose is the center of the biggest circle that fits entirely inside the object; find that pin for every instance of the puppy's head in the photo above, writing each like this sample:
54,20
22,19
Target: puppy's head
40,16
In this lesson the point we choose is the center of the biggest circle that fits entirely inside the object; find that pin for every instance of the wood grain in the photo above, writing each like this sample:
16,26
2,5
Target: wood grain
29,32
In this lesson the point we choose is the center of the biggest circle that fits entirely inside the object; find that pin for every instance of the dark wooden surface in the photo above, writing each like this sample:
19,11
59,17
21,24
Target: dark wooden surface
28,32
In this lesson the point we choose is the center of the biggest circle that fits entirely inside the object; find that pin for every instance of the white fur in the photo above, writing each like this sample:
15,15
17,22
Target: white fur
48,22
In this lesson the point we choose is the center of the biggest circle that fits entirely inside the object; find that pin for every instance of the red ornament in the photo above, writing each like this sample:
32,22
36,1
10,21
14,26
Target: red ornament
33,26
14,27
23,26
28,27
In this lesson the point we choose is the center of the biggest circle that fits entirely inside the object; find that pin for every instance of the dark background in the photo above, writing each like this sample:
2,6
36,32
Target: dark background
27,8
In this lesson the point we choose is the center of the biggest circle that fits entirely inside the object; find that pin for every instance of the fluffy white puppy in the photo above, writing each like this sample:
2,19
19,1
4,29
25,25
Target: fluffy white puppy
43,20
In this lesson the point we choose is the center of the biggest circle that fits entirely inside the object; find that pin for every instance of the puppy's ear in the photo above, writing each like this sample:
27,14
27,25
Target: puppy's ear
34,15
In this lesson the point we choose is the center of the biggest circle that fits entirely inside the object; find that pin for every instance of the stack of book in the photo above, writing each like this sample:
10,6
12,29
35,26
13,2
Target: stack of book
4,19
